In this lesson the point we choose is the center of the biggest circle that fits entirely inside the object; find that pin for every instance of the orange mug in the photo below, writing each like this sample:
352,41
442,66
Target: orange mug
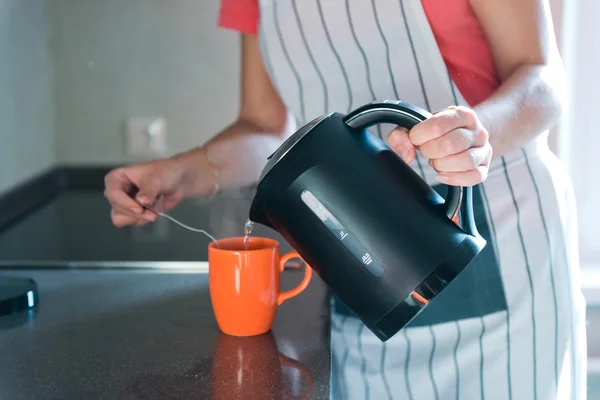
244,283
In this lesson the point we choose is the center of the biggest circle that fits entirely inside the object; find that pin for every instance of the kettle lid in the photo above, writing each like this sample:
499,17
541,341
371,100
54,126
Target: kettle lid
290,142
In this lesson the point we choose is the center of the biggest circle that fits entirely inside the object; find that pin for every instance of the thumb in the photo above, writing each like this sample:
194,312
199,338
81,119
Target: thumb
399,141
149,189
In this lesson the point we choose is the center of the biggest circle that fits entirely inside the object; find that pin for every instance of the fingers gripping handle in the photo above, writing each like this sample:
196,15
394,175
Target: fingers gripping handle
405,116
283,296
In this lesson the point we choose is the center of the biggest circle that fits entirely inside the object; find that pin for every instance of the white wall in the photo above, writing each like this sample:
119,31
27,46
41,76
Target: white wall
579,132
556,8
26,91
120,58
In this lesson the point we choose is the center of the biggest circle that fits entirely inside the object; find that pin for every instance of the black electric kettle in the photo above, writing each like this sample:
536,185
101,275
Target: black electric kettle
375,232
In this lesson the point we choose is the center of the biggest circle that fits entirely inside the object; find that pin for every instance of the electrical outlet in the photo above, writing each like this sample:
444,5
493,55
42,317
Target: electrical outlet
146,136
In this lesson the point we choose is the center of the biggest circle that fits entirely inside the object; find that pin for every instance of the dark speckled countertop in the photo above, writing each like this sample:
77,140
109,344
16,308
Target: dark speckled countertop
152,335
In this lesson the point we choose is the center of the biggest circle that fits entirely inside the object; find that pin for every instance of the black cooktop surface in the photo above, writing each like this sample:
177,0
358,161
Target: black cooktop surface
75,229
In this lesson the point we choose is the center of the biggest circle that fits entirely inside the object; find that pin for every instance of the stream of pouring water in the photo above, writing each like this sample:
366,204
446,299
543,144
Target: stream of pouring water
247,231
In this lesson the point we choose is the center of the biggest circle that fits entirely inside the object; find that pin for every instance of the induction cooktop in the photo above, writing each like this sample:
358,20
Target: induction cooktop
74,229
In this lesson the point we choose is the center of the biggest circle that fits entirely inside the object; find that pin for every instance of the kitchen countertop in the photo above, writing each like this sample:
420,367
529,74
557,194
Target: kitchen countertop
126,314
106,334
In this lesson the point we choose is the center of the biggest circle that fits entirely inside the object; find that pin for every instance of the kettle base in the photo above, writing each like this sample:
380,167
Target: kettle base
428,290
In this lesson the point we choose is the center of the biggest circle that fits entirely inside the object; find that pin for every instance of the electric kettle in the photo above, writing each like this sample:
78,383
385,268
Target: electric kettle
374,231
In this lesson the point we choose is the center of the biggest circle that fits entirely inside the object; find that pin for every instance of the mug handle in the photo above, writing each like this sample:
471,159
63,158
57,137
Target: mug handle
303,285
306,374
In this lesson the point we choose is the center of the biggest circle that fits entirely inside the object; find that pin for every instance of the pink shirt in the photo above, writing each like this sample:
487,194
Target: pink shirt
458,33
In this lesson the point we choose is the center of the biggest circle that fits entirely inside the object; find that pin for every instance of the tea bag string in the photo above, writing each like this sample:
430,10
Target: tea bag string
181,223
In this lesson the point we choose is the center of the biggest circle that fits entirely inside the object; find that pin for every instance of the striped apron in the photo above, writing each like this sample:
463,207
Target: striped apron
512,326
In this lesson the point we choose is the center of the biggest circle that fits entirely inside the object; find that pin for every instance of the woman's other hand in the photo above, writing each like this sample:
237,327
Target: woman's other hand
453,140
160,184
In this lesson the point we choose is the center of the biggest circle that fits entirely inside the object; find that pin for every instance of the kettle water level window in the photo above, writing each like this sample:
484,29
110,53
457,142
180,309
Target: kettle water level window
344,236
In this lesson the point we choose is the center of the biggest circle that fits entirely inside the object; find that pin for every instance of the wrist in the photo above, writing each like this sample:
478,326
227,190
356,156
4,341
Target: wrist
198,176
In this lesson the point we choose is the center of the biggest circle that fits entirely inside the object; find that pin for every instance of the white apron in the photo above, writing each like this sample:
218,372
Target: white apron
512,326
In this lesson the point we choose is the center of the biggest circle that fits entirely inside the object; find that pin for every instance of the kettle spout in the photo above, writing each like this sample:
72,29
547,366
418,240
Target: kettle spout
258,215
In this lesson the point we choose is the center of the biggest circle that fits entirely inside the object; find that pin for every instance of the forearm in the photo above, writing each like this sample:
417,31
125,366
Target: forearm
528,102
238,155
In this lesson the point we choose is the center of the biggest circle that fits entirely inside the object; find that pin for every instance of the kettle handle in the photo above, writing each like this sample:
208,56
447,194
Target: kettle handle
407,116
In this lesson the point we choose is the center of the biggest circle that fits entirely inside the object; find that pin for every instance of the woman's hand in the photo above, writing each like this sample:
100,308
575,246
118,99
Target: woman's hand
453,140
159,184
